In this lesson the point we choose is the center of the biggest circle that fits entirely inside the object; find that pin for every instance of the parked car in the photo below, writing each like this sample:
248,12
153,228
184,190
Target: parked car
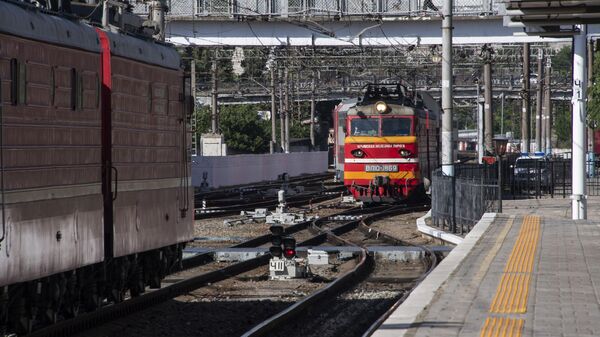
531,172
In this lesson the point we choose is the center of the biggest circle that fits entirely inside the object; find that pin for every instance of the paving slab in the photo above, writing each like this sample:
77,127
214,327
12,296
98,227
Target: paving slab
531,272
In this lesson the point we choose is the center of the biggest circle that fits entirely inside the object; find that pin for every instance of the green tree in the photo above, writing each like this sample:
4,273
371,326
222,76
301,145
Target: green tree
562,68
204,58
243,130
562,124
593,107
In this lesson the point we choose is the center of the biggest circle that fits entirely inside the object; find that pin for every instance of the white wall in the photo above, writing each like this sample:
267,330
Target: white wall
252,168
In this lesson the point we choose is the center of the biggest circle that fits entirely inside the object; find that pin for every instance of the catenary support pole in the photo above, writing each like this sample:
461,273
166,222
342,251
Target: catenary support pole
538,103
526,107
105,14
273,146
214,98
313,106
579,202
548,107
502,113
158,9
489,117
195,144
286,112
590,74
480,146
281,111
447,85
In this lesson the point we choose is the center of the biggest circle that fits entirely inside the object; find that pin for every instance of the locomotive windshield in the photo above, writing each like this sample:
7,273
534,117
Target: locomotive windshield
388,126
365,126
395,127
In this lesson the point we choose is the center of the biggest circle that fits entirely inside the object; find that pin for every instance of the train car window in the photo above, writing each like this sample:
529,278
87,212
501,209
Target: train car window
73,89
149,100
22,83
18,78
79,92
396,127
98,89
52,86
14,81
364,126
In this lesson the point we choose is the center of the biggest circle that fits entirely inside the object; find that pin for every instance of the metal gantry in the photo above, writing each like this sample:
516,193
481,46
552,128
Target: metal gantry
343,72
320,9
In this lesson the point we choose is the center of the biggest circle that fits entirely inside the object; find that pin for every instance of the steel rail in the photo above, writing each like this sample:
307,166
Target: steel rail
354,276
114,311
235,190
432,264
207,257
297,200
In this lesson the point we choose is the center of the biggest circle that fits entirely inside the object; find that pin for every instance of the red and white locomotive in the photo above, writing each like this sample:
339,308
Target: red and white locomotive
93,165
390,143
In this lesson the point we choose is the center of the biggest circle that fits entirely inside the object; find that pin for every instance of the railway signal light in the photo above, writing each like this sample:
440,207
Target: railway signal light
276,240
289,247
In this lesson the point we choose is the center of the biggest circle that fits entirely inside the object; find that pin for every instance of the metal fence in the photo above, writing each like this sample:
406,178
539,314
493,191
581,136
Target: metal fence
550,178
457,203
311,8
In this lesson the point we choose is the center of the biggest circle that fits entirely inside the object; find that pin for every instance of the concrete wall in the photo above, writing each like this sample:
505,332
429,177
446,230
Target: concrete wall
252,168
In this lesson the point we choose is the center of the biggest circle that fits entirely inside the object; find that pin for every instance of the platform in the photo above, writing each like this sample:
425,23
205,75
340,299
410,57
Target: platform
529,272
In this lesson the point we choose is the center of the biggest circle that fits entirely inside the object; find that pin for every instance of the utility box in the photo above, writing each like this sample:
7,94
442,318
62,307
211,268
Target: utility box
317,257
284,269
212,145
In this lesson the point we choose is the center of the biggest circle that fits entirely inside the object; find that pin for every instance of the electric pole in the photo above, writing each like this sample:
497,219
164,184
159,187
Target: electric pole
312,108
579,197
548,106
215,97
488,118
286,112
281,111
538,107
526,109
273,111
447,85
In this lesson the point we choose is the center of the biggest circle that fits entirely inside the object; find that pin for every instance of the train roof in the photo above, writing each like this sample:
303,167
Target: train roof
346,105
28,22
394,110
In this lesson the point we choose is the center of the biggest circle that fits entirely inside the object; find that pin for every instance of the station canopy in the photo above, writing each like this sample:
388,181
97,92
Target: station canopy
551,18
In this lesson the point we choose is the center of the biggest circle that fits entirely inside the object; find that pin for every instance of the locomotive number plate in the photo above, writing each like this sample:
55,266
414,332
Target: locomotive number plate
381,168
278,265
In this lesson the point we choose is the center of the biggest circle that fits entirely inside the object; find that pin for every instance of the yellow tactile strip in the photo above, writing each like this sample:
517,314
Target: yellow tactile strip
512,293
502,327
523,253
513,290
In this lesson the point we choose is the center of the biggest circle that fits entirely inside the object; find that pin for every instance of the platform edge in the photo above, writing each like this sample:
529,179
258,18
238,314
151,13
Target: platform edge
407,313
436,233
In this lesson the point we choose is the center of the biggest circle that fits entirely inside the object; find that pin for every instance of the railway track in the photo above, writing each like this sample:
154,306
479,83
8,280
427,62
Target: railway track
331,296
251,190
297,200
114,311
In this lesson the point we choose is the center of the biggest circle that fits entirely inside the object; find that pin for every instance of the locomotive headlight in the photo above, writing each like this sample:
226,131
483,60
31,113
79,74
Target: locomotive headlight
358,153
404,153
381,107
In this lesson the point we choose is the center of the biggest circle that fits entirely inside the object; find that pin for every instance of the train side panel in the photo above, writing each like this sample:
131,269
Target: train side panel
149,154
51,159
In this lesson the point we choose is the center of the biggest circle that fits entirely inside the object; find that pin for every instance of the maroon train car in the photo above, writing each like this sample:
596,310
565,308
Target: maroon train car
94,166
